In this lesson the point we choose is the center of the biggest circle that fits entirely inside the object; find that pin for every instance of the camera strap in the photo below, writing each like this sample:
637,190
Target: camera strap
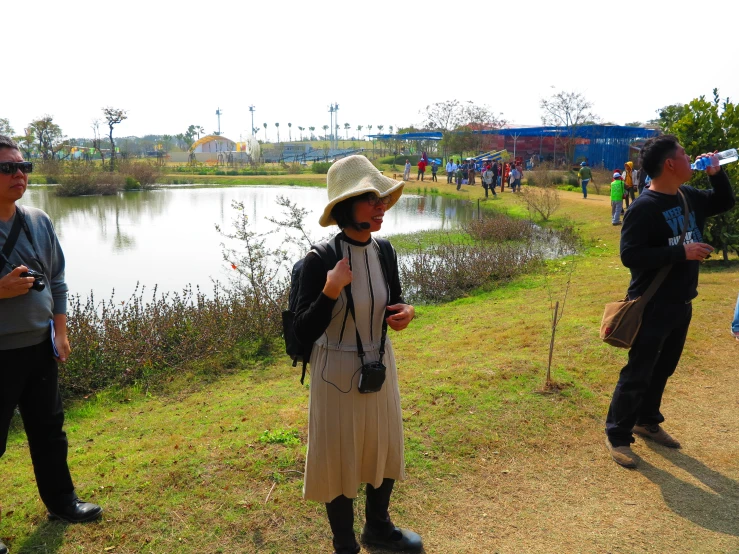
383,337
15,231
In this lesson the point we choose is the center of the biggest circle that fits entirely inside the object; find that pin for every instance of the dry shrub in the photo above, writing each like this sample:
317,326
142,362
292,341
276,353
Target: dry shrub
451,270
498,228
78,178
294,168
138,341
144,172
542,201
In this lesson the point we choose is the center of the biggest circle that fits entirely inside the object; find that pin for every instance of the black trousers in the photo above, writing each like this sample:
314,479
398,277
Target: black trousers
652,360
341,516
449,178
29,379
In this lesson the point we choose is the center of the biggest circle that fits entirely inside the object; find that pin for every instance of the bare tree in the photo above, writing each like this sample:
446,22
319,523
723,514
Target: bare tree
444,116
570,110
113,116
96,139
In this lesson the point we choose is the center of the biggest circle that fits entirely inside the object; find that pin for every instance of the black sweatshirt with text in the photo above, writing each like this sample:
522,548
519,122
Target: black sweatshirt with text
651,231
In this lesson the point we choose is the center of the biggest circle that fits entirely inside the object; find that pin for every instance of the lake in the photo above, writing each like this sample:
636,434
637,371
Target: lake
167,237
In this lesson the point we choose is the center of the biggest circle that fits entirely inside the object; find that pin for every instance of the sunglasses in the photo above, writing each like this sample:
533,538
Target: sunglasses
11,168
373,200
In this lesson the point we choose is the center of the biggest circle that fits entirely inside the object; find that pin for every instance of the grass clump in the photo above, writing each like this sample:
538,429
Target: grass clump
288,437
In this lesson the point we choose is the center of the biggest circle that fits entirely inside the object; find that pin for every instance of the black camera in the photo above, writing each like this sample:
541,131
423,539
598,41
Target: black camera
38,283
371,377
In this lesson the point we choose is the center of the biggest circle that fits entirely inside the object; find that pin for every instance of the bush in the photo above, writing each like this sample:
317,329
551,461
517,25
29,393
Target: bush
132,184
78,178
543,201
137,341
450,270
320,167
498,228
144,173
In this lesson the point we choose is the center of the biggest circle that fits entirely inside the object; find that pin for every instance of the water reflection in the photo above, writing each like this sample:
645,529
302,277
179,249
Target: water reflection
167,237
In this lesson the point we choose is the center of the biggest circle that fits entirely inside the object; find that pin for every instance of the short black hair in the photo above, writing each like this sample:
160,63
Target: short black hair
7,142
343,212
654,153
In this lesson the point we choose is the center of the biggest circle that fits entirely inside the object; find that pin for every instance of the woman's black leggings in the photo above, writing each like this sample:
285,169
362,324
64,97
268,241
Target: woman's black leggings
341,516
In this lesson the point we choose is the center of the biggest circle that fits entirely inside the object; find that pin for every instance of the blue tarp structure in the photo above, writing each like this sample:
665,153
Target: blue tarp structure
605,145
602,145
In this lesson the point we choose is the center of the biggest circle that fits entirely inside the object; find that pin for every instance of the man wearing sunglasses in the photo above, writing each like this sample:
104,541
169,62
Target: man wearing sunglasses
28,350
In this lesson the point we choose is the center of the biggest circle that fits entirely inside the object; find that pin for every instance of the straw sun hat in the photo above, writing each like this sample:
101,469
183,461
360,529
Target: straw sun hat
353,176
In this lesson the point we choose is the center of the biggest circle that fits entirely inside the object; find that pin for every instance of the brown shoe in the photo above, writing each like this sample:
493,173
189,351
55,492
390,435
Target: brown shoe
657,434
622,455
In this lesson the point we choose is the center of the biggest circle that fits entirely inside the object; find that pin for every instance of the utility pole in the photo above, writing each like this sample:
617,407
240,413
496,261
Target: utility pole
218,113
336,124
331,127
252,109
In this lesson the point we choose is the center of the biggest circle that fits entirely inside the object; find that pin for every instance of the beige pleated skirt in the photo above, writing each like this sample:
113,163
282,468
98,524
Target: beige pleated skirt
353,438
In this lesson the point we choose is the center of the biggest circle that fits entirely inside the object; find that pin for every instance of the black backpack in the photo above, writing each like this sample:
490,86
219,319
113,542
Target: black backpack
298,351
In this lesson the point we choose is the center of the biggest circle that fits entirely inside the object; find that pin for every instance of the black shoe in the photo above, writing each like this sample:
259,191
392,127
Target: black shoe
398,540
3,548
76,512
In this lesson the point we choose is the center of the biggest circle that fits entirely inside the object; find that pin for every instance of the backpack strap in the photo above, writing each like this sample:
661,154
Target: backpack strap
388,259
329,258
15,231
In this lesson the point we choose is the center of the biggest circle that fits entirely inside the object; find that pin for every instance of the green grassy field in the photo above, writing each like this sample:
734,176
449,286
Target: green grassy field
495,461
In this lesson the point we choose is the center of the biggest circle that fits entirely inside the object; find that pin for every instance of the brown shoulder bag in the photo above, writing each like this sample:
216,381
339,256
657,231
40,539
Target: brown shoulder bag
622,320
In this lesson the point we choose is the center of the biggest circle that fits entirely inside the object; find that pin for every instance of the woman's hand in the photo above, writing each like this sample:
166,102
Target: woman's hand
337,278
400,320
13,284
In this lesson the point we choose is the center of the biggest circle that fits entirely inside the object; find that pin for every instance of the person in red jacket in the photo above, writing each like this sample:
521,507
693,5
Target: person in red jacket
421,169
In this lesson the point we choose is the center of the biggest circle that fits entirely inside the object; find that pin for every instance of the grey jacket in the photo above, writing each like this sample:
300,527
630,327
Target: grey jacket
24,320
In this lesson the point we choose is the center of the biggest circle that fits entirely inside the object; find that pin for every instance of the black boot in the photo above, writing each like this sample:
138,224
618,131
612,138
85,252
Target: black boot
3,548
341,518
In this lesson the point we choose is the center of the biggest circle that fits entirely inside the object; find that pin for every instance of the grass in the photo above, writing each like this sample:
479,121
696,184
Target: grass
494,462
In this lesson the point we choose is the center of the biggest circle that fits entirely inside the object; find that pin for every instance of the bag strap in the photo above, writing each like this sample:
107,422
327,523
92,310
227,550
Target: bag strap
15,232
662,275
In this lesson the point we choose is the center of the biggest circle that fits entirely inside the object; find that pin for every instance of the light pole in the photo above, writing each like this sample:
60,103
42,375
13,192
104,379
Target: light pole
218,113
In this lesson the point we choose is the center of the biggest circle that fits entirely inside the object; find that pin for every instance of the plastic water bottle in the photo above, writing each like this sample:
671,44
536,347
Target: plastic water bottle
725,157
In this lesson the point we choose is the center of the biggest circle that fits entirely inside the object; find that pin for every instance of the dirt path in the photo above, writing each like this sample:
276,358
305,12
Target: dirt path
568,496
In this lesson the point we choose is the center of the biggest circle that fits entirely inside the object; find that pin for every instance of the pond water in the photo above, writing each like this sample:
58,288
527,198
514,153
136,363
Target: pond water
167,237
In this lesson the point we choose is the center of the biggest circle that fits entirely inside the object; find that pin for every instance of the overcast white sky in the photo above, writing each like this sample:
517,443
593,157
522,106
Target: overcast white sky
171,64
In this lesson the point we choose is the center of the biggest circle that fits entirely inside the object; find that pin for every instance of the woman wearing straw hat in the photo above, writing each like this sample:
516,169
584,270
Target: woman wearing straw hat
354,437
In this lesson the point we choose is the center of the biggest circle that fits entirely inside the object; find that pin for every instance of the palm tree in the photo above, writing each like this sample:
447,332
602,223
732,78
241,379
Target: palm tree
265,131
311,129
359,131
290,132
347,126
301,132
325,129
381,128
369,128
199,129
391,129
277,125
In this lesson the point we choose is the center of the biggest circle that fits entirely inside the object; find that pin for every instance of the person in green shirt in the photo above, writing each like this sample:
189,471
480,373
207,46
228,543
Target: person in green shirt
585,175
617,197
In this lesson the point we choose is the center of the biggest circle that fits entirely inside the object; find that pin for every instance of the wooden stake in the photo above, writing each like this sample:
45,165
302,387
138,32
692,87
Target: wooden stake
551,344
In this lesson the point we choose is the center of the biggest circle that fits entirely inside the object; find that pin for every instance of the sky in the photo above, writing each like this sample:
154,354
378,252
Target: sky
172,64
